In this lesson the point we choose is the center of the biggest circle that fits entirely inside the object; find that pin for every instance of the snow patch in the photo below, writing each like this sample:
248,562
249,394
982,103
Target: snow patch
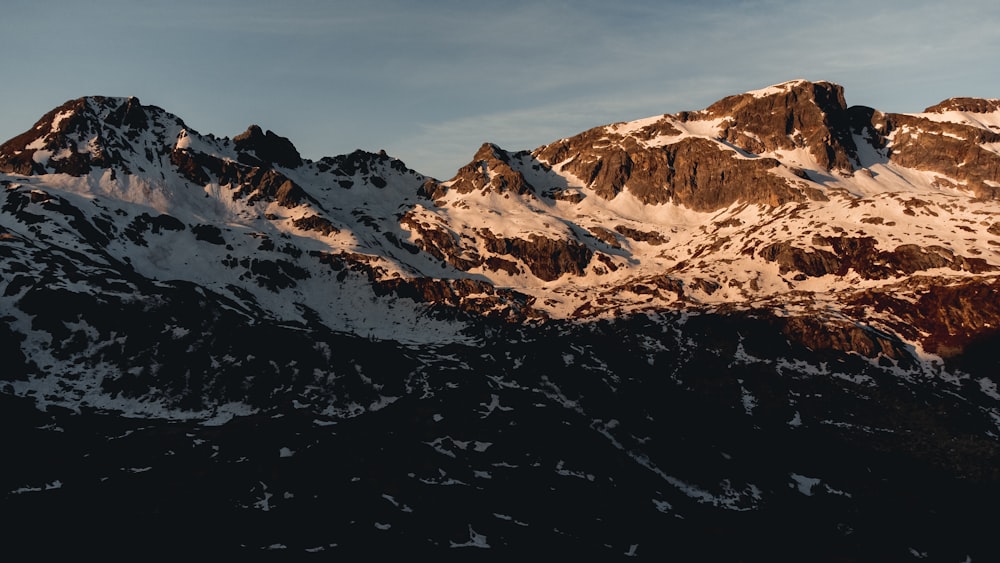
804,484
476,540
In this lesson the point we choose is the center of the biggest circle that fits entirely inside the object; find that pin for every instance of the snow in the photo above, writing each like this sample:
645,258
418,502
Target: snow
728,497
707,128
776,88
476,540
626,128
59,117
570,473
402,507
796,420
493,405
804,484
41,157
989,388
56,484
264,503
893,204
663,506
747,399
989,121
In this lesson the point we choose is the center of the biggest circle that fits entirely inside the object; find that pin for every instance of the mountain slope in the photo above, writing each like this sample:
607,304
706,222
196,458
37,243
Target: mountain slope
775,314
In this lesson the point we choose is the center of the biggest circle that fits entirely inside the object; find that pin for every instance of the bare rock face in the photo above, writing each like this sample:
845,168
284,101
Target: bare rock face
861,255
954,150
123,136
70,139
945,318
462,294
772,374
970,105
258,183
707,174
794,115
267,148
651,237
490,170
694,172
441,243
705,178
547,258
130,116
824,334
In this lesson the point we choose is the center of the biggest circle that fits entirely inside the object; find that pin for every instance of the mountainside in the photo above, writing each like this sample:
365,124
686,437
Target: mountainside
771,320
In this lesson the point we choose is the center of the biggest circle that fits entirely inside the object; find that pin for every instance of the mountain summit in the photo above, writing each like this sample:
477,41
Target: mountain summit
775,313
777,196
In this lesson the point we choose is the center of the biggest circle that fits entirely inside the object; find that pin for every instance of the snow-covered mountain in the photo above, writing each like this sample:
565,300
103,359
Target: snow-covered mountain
772,306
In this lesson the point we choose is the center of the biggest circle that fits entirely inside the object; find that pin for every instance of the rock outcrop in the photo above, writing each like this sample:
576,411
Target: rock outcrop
261,149
773,321
795,115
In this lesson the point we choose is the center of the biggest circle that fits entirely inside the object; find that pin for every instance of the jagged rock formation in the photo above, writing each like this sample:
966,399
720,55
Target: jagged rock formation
791,116
801,189
258,147
810,285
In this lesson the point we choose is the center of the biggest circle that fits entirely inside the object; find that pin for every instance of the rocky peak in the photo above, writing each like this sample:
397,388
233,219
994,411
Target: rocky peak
793,115
257,147
958,149
967,105
490,170
129,114
359,162
89,132
365,168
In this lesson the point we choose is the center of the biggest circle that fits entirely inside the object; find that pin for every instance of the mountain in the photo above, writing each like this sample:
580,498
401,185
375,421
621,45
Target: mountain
762,330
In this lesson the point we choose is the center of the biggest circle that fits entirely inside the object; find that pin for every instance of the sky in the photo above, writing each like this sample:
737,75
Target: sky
430,81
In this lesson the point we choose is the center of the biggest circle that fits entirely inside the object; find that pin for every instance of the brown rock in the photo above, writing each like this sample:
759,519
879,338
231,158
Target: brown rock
315,223
969,105
490,170
803,115
945,319
827,334
694,172
548,259
651,237
951,149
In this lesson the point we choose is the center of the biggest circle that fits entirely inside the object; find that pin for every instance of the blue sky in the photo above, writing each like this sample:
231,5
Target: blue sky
430,81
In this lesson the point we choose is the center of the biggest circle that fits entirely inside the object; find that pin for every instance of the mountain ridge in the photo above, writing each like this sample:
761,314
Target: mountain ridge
774,316
744,158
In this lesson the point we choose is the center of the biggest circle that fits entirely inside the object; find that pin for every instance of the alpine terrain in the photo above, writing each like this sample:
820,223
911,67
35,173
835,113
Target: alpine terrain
761,331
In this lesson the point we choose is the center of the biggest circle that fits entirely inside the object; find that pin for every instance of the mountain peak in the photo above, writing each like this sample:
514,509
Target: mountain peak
89,132
967,105
788,86
792,115
259,147
706,300
490,170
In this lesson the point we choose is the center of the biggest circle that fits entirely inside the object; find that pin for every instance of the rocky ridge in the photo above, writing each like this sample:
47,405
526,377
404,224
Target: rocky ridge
779,267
